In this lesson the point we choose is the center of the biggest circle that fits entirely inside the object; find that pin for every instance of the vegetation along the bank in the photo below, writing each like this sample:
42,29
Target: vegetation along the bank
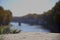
5,19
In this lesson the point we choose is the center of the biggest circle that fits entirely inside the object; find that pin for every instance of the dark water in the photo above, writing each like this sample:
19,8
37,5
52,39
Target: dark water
28,28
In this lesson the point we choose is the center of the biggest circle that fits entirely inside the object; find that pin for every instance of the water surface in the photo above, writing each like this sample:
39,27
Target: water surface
28,28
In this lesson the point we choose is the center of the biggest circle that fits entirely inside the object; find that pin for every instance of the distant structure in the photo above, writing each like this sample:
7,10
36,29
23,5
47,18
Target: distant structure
19,23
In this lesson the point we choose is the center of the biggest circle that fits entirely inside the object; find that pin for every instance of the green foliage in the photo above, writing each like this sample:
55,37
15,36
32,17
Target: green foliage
53,18
4,30
7,30
15,31
5,19
56,12
5,16
53,15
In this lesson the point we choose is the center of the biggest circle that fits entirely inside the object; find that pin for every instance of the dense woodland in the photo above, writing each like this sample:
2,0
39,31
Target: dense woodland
53,18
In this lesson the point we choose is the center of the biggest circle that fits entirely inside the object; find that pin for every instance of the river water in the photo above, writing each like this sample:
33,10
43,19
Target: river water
28,28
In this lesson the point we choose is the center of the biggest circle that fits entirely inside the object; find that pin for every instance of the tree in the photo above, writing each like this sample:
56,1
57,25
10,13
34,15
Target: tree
56,12
5,16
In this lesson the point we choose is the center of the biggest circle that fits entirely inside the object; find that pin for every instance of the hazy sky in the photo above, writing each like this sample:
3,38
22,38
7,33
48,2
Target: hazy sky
23,7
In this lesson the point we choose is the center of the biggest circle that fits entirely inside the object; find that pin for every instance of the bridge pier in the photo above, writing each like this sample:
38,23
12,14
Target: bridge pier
19,23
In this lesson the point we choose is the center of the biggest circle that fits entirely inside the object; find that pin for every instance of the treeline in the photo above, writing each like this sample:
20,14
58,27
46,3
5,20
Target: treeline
50,19
5,16
53,18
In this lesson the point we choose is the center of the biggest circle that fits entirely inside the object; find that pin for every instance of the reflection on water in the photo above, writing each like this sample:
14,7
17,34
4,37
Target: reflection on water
28,28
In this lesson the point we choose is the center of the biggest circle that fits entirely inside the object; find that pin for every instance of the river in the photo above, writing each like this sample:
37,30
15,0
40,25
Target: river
28,28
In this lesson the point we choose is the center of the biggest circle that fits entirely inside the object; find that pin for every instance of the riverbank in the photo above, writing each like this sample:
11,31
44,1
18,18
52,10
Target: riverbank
32,36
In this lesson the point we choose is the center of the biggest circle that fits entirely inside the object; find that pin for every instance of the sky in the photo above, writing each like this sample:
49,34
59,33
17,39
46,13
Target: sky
24,7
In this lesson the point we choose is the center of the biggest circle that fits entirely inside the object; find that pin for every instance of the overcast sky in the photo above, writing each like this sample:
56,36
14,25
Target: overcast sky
23,7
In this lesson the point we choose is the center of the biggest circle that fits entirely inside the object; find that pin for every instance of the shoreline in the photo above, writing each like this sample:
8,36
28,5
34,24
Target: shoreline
32,36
